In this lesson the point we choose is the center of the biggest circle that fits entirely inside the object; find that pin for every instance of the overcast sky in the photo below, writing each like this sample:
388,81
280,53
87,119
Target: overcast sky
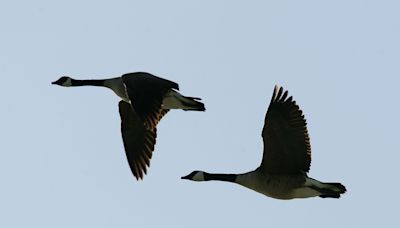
62,159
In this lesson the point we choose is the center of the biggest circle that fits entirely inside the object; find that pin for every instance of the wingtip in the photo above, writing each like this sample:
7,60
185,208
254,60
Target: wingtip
136,177
278,90
280,94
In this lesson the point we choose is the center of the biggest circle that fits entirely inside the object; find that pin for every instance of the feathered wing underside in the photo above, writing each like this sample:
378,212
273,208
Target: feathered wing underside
146,93
287,147
138,140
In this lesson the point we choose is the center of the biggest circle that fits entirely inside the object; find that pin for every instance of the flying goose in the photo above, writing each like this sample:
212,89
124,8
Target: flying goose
145,100
286,159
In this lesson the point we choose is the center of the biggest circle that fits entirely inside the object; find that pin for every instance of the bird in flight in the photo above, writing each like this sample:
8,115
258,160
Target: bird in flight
145,100
286,158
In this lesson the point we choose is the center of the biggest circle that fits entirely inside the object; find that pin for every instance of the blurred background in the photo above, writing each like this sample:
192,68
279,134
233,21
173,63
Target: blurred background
62,162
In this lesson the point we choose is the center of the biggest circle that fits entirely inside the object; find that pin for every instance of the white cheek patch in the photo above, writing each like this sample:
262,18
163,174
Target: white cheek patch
67,83
198,176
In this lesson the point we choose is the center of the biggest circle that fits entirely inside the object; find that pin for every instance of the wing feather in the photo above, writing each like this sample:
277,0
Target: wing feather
138,140
146,93
287,147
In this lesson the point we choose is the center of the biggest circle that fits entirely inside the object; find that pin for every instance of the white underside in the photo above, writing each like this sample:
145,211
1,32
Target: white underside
304,192
278,188
174,100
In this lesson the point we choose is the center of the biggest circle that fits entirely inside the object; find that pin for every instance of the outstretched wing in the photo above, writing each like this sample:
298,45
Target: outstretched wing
287,147
138,140
146,93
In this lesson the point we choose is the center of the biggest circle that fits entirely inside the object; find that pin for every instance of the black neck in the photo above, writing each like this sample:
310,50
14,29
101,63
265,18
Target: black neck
76,82
220,177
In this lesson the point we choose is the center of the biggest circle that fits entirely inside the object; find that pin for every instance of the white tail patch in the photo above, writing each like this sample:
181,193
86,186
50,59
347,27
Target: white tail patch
313,182
175,100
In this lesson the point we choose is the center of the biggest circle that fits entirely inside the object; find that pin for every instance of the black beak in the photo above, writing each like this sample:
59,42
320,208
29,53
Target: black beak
53,83
186,177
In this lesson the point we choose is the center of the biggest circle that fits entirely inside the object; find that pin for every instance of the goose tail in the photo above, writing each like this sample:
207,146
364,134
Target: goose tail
193,104
332,190
327,189
174,100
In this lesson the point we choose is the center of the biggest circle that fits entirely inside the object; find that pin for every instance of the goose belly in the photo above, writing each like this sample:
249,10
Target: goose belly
275,186
304,192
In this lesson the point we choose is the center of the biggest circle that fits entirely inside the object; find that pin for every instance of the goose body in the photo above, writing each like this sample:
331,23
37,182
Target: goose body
145,99
286,158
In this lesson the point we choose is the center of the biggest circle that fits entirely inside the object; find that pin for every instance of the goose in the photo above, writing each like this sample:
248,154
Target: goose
145,100
286,158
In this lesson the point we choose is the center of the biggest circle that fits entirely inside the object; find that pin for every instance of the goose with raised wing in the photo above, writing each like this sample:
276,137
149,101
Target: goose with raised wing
286,158
145,100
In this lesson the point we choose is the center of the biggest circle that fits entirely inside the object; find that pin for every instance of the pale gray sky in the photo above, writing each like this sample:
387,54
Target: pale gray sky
62,160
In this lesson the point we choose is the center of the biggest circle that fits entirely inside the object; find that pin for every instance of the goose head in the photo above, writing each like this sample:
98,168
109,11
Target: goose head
63,81
195,176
